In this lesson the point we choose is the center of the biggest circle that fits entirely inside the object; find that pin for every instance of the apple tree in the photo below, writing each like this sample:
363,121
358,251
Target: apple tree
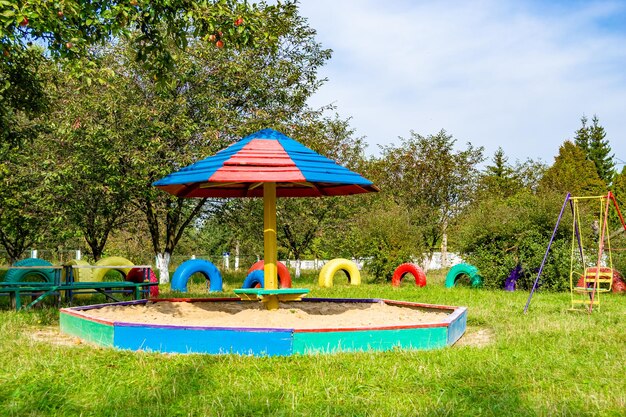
213,97
158,32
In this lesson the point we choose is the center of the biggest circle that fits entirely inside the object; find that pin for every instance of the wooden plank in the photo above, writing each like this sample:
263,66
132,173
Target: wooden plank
187,340
379,340
92,331
457,327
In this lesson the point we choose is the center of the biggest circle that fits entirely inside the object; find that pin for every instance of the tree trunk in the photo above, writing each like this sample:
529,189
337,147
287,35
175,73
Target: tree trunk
298,263
427,258
163,265
444,250
237,256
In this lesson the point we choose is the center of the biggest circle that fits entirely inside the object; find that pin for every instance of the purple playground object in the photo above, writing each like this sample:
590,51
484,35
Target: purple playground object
511,281
545,257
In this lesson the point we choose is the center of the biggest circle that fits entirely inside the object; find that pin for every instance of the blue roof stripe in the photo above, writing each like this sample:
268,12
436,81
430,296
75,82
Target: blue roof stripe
317,168
203,169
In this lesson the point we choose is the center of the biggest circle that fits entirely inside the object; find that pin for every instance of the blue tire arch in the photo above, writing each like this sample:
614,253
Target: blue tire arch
254,278
193,266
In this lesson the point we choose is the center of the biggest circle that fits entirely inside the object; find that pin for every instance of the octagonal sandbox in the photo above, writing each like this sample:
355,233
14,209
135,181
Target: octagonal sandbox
337,325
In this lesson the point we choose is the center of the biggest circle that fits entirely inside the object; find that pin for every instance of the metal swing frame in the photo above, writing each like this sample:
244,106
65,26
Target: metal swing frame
594,280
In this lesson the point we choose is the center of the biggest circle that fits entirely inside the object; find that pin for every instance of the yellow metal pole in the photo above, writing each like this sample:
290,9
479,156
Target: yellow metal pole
270,271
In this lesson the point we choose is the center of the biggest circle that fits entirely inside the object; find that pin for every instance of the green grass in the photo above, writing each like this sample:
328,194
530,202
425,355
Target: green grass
549,362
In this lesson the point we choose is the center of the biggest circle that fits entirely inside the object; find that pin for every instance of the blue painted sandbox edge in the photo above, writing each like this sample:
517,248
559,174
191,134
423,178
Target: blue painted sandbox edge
457,325
207,341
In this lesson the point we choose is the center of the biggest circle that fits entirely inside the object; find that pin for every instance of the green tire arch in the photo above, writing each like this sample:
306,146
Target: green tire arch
459,270
21,275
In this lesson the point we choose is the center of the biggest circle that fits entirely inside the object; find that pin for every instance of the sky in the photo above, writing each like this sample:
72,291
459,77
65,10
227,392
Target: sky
516,74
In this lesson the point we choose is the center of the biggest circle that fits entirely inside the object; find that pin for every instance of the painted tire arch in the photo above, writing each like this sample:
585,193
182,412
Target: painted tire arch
193,266
99,273
137,275
253,279
18,275
457,271
284,277
409,268
329,270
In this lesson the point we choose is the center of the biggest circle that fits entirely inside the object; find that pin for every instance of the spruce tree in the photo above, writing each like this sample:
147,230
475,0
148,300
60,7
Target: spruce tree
500,178
600,151
592,140
500,168
582,136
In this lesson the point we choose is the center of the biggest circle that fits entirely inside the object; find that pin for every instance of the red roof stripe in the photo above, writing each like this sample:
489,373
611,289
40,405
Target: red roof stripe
251,163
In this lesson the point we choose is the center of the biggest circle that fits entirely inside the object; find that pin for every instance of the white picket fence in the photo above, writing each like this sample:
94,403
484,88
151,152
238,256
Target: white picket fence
316,264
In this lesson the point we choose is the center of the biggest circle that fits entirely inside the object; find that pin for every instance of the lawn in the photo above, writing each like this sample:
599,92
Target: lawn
549,362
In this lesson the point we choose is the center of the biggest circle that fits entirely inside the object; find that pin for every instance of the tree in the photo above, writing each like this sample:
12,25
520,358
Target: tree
26,172
619,187
431,179
70,30
498,234
572,172
94,183
22,95
215,96
27,208
617,233
582,135
388,233
592,140
600,151
499,179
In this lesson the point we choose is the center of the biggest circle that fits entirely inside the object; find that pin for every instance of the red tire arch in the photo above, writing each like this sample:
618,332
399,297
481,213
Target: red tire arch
137,275
284,277
408,268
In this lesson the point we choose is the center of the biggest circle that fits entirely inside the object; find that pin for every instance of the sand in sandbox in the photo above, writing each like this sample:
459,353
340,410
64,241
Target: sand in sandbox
296,315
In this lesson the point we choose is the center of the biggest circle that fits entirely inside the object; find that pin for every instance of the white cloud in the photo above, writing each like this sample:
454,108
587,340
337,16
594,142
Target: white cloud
496,73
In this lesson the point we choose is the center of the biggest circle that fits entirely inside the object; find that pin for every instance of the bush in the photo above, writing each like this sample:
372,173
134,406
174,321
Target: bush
389,239
498,234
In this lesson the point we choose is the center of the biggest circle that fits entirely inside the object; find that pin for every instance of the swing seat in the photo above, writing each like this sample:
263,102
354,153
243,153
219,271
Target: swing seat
602,280
587,302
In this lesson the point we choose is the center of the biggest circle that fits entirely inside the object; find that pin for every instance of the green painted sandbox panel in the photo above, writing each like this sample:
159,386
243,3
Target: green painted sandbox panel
91,331
328,342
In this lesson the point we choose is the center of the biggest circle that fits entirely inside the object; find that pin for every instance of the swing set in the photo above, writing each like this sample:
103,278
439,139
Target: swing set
587,280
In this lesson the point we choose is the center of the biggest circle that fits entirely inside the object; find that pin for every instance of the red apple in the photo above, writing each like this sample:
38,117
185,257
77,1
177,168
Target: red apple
133,2
69,45
239,21
60,13
24,22
212,38
219,44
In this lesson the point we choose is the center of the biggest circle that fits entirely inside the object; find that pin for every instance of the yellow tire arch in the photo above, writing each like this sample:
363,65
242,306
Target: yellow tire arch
332,267
80,274
99,273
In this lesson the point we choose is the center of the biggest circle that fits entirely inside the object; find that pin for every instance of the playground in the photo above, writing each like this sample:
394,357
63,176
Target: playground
507,362
337,344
